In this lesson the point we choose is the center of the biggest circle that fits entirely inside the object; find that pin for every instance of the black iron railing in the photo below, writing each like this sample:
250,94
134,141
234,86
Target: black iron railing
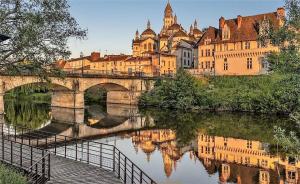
33,161
94,153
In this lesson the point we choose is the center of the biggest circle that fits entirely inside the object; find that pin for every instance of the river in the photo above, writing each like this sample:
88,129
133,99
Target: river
173,147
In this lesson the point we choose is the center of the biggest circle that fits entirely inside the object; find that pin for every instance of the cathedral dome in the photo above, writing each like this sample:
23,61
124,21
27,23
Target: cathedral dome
174,27
197,31
180,33
148,32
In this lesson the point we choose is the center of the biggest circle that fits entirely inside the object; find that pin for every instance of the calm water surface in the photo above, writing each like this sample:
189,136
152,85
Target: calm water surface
174,147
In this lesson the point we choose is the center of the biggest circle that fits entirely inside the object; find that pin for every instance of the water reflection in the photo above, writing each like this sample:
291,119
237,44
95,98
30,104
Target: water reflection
173,147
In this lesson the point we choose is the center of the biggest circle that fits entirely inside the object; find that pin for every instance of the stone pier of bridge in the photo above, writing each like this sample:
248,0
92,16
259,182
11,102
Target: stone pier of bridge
69,92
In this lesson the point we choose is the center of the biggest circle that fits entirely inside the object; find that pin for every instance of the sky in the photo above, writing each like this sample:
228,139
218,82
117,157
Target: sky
111,24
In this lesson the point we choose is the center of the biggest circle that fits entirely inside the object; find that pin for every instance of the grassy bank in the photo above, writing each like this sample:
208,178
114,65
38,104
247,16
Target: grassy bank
275,94
11,176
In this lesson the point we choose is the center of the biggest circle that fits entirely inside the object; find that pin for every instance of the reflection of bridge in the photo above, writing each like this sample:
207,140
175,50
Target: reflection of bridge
69,92
69,122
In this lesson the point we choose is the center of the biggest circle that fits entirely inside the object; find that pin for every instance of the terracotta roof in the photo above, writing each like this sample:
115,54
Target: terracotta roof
211,33
149,31
113,58
77,59
249,28
132,59
180,33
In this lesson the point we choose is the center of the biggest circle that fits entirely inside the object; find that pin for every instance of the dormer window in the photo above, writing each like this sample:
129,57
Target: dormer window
225,33
207,41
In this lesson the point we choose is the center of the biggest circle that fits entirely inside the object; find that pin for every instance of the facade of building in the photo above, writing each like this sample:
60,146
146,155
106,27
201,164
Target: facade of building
173,39
155,64
234,48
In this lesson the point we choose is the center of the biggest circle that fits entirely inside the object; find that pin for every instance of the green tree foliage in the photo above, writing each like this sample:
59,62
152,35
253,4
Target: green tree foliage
178,93
287,38
39,32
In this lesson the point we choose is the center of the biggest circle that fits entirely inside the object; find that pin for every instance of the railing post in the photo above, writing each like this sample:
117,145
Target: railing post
43,163
49,173
36,172
46,143
101,155
119,164
132,172
15,133
2,142
11,152
76,149
88,152
141,177
21,154
114,159
31,157
125,170
22,133
65,146
55,144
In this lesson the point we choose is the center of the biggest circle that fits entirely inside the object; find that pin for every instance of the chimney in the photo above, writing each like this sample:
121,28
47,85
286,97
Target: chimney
239,21
280,12
95,56
221,22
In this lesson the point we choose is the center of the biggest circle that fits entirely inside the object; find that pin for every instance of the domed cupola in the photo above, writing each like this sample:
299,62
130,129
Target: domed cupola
197,33
148,33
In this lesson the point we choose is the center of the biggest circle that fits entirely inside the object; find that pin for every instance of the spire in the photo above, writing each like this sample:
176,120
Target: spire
137,34
175,19
148,24
191,29
195,24
168,10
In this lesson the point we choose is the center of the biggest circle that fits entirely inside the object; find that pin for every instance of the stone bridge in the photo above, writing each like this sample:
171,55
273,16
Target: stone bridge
69,92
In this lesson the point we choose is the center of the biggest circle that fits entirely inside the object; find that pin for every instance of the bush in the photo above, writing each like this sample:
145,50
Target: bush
10,176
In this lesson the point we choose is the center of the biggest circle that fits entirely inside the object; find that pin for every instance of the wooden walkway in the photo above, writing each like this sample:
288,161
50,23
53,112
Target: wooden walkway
62,170
67,171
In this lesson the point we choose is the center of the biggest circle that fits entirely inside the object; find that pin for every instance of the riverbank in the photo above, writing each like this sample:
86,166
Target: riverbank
273,94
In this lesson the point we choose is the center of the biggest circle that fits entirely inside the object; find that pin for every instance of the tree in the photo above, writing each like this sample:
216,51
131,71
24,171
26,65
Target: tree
39,31
287,38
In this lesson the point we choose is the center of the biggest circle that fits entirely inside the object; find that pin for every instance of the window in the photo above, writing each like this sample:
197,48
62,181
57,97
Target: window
184,54
213,52
247,45
213,64
149,46
184,62
188,55
145,46
264,163
189,62
247,160
249,144
225,64
249,63
207,63
292,175
202,64
225,47
208,52
202,53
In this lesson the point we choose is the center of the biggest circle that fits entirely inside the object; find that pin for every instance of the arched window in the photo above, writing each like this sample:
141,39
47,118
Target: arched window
149,46
225,64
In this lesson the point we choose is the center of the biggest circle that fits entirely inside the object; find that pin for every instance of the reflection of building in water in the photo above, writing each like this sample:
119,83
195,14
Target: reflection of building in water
215,151
164,140
236,160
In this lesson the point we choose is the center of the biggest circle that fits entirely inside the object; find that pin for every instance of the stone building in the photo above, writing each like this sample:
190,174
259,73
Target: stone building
173,39
234,48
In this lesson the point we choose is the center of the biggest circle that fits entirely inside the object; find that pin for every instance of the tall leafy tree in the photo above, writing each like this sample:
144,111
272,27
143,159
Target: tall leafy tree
38,31
287,38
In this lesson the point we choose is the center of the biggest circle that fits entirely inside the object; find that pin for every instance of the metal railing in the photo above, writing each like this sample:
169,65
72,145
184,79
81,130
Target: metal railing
33,161
94,153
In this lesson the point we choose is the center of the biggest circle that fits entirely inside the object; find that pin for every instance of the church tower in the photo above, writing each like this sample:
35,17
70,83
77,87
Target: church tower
168,18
